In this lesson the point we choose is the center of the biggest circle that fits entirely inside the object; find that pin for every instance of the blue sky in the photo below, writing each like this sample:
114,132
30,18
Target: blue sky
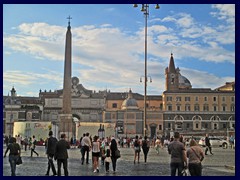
108,45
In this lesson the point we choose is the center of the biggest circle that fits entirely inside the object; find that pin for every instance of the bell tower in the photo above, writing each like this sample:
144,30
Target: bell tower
171,76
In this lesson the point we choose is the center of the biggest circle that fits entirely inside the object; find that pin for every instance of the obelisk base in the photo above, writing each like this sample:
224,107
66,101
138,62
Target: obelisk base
65,126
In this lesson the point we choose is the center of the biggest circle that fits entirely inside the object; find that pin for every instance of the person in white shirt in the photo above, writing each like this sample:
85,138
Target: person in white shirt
86,145
95,153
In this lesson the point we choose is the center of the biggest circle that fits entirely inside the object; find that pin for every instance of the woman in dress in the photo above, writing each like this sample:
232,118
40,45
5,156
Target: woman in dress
113,148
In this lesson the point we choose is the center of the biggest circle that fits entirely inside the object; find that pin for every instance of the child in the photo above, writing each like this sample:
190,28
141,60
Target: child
107,158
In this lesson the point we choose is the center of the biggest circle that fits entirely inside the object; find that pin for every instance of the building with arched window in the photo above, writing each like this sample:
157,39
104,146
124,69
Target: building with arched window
196,111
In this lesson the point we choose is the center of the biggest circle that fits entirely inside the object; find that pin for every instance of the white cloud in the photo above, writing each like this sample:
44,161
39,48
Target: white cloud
225,12
108,55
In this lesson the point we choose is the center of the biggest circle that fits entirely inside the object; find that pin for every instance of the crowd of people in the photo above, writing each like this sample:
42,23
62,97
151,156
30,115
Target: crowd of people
103,151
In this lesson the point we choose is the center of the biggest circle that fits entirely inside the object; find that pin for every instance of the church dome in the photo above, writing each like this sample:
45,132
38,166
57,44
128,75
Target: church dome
184,83
130,102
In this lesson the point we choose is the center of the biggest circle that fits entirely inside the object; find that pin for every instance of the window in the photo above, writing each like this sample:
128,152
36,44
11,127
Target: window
169,125
196,125
160,127
187,107
224,108
196,107
232,98
214,108
187,98
169,98
169,107
224,126
215,126
205,107
178,107
206,125
114,105
188,125
232,108
205,98
214,99
196,98
178,98
223,99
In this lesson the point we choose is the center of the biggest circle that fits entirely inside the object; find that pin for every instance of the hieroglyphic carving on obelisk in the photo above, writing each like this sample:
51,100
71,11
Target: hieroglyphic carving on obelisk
66,116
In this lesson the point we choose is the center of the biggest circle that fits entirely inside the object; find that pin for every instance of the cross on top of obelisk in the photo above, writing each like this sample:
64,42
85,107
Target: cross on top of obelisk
69,20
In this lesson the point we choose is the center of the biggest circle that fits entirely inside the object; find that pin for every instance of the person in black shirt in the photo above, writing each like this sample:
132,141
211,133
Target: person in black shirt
145,147
15,153
208,145
61,155
51,144
113,148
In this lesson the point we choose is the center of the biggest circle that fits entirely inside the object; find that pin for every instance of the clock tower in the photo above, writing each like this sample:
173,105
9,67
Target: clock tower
171,76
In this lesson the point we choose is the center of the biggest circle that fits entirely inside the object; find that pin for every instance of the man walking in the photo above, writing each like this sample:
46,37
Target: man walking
178,155
33,146
51,145
208,145
86,145
61,155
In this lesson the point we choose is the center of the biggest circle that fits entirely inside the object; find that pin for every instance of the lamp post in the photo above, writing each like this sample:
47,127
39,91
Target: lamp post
145,10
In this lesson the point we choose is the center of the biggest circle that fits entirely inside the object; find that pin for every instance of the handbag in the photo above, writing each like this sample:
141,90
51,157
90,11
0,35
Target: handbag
19,160
184,172
117,154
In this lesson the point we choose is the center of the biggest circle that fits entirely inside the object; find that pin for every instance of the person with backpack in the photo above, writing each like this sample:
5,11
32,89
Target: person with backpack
15,153
51,145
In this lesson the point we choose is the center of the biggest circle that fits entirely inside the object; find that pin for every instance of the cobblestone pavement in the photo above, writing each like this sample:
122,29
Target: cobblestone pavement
222,163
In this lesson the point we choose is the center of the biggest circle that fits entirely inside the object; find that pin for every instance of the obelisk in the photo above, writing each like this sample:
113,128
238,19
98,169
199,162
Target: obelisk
66,115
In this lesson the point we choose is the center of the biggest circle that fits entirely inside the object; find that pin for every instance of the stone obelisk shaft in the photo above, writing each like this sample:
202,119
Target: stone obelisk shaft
66,116
67,106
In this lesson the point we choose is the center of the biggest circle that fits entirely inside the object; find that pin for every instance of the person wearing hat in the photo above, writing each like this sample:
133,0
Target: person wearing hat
61,155
51,145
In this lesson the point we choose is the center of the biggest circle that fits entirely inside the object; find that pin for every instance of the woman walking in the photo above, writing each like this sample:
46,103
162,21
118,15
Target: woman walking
137,149
195,156
145,147
95,153
113,148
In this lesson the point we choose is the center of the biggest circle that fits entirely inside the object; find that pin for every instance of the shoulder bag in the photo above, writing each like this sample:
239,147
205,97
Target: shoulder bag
197,157
117,154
